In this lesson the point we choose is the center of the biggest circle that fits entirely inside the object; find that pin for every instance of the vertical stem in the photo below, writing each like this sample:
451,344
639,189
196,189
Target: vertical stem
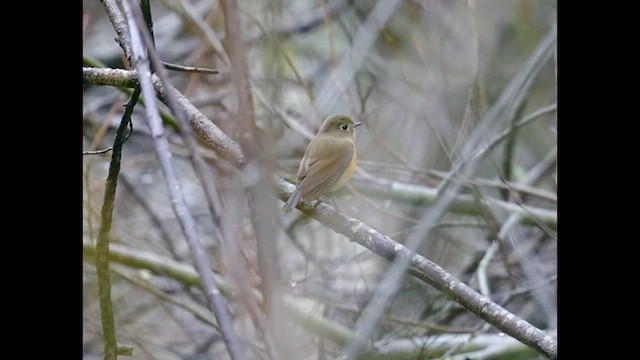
102,243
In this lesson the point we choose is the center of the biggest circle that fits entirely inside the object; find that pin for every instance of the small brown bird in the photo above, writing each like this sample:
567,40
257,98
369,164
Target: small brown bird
328,162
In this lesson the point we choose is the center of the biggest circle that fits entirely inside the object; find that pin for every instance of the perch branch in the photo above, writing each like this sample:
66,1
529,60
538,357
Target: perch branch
427,271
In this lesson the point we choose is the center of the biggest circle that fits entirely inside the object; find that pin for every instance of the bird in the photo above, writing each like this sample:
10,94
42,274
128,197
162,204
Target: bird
329,161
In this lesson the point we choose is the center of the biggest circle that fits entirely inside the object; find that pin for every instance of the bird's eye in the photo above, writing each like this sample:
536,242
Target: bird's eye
344,127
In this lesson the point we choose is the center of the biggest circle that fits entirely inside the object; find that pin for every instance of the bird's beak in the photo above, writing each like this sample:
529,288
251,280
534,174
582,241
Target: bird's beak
358,124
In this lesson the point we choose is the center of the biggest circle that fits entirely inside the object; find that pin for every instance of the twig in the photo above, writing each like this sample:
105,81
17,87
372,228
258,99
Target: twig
119,25
428,272
152,214
518,187
202,265
509,100
97,152
102,244
189,68
504,134
418,195
541,167
206,130
193,19
335,86
288,120
409,193
483,283
318,17
297,306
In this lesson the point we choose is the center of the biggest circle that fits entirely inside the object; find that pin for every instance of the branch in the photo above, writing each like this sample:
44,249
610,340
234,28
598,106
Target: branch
303,311
419,195
212,293
388,189
206,130
331,93
119,25
483,346
102,244
427,271
328,10
409,193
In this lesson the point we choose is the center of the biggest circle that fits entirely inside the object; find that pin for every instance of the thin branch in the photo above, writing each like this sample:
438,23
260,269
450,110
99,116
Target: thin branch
527,289
298,307
521,187
509,100
319,16
418,195
491,144
541,167
214,298
192,69
483,282
102,244
287,119
331,92
119,25
192,18
485,344
427,271
301,309
200,312
97,152
206,130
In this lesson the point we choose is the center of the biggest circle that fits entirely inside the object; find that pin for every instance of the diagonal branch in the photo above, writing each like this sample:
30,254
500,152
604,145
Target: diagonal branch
206,130
427,271
214,298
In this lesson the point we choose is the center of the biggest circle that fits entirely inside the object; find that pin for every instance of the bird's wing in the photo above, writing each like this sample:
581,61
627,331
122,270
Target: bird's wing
318,173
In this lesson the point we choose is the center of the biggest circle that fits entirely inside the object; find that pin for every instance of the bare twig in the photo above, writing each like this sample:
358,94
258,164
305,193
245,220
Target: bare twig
418,195
491,144
329,9
517,187
334,87
428,272
212,293
192,69
541,167
192,18
299,307
111,349
119,25
97,152
206,130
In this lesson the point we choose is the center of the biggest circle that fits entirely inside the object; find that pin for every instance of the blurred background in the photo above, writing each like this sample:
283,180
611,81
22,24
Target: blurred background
433,83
